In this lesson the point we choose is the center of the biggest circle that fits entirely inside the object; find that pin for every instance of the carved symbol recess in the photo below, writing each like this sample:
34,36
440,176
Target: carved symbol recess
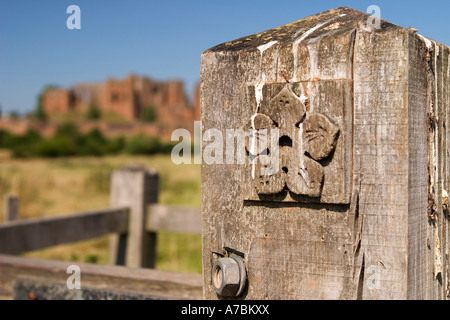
305,141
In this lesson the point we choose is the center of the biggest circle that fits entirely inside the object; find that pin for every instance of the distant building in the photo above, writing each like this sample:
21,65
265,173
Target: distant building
127,98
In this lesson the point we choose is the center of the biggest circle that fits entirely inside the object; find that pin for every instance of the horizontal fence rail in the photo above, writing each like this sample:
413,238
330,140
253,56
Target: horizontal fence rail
173,218
118,280
33,234
27,235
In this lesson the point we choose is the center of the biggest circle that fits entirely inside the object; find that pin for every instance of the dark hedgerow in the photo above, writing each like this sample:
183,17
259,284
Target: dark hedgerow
68,141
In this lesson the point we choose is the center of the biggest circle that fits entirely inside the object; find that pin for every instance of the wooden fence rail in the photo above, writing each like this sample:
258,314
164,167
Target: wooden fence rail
174,219
116,282
27,235
33,234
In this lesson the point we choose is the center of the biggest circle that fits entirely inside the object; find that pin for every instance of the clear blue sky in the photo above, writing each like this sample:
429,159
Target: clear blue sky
159,39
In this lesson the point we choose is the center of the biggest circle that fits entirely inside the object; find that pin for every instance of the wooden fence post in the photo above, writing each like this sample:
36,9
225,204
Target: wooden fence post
11,208
135,187
343,193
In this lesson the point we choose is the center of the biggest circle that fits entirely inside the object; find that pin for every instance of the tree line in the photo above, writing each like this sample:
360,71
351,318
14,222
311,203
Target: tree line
69,141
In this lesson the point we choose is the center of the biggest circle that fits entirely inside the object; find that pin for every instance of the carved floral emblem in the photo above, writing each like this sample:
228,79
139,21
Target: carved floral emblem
305,141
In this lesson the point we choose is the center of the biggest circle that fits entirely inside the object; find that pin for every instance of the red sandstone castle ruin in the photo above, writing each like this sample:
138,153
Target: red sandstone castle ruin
127,98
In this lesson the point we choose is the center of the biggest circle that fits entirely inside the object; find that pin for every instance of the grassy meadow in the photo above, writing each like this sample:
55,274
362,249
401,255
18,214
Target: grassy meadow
51,187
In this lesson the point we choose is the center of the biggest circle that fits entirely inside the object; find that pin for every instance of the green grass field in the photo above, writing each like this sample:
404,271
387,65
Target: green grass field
67,185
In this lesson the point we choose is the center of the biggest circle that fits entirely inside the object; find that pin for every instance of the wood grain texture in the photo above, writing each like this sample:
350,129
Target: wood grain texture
381,160
418,169
428,172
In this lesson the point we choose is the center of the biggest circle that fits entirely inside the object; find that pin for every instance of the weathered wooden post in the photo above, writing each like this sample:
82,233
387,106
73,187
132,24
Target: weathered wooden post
10,208
347,199
135,187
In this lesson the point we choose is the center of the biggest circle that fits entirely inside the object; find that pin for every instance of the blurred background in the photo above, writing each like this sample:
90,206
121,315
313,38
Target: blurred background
76,104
